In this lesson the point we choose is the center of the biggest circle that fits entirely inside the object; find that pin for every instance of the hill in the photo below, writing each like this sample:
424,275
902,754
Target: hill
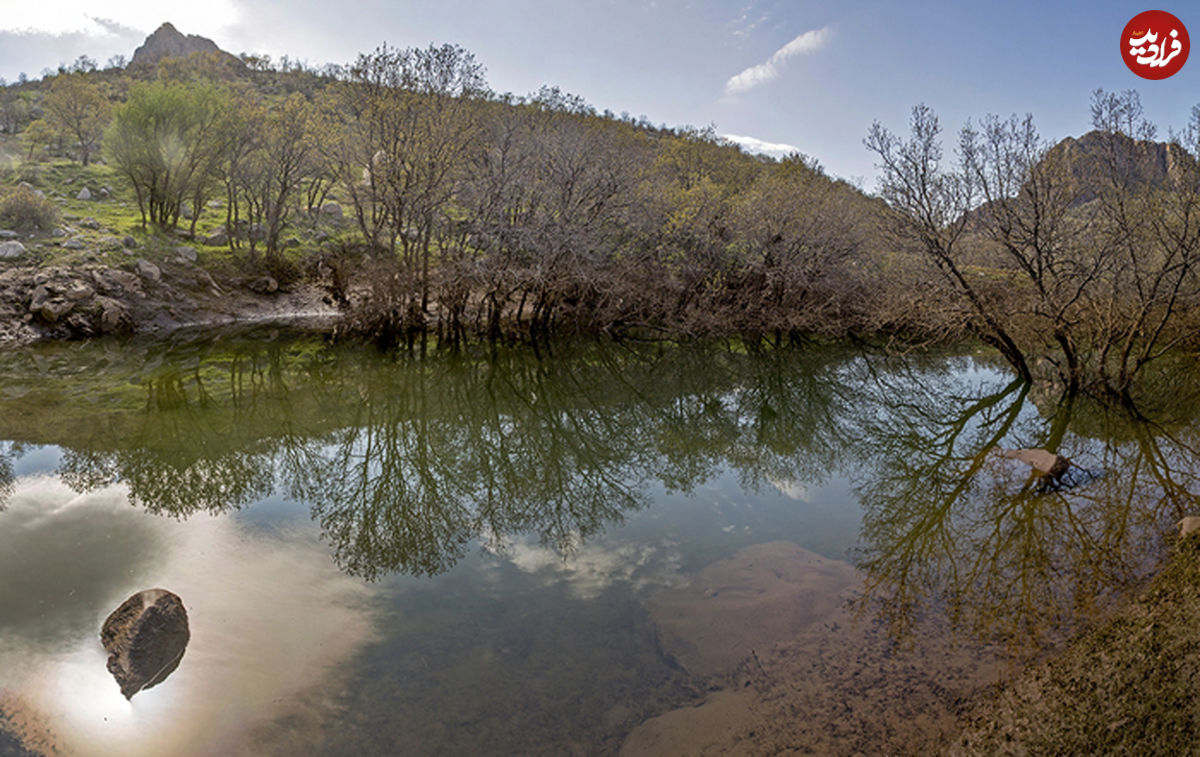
169,42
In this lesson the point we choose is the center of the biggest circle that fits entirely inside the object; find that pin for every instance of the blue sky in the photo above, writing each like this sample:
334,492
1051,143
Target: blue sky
809,74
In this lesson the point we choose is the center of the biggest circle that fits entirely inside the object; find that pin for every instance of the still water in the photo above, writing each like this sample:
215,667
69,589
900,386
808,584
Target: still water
496,553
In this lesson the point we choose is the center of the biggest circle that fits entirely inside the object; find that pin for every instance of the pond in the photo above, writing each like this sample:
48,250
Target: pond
649,549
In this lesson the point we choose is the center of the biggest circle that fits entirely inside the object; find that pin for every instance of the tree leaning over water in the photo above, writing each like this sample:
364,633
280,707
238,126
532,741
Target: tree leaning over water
1082,255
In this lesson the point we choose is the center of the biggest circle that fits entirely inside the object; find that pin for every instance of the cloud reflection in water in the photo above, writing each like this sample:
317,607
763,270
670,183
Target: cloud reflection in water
272,619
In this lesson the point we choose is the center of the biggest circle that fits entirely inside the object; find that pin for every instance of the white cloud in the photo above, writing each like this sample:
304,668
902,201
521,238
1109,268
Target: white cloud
809,42
754,145
60,17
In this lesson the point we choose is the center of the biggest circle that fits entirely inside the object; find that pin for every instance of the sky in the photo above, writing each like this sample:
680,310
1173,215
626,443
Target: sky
777,75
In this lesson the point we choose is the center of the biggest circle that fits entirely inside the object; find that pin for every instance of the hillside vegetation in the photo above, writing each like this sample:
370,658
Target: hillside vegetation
431,206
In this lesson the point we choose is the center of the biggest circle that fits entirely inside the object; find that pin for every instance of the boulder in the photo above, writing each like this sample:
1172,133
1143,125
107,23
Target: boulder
30,188
186,253
78,290
84,194
10,250
113,281
148,270
1188,524
55,309
74,244
114,319
129,242
264,285
217,239
145,638
90,223
40,296
110,244
8,234
332,210
1042,461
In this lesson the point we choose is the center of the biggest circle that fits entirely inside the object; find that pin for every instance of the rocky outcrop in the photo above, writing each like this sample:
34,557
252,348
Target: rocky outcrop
169,42
1137,163
145,638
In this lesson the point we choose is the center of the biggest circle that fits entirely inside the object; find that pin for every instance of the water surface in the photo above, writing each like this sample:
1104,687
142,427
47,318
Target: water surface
501,553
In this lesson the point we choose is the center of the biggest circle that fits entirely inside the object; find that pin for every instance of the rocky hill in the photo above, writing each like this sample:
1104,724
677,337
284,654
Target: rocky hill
1137,163
169,42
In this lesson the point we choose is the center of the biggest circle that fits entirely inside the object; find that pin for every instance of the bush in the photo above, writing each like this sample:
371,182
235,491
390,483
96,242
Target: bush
23,209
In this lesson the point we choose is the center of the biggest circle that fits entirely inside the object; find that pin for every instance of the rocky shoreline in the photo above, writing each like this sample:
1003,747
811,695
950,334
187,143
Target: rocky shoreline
142,297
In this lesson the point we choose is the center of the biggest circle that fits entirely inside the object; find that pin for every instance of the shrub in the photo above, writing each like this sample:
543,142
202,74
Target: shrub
23,209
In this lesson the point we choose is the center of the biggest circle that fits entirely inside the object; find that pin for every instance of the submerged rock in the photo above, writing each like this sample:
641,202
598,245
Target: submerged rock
1043,461
1188,524
145,638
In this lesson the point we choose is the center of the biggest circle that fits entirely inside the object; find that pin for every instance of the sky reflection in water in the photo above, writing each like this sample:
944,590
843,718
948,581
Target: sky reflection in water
381,553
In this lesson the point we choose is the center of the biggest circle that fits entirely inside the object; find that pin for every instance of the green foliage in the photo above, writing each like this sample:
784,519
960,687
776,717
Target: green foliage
167,140
77,108
22,209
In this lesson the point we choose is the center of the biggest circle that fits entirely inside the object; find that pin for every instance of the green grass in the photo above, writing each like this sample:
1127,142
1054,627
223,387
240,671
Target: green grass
118,216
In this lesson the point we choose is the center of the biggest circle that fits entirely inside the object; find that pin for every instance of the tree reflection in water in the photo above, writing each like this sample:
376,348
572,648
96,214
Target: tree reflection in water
405,463
952,524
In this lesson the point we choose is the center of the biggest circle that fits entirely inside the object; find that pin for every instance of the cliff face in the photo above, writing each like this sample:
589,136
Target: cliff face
169,42
1097,156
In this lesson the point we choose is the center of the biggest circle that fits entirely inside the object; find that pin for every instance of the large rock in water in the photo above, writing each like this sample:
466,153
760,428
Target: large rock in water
145,638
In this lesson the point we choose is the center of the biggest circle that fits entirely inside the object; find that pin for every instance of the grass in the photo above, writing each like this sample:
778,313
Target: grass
117,215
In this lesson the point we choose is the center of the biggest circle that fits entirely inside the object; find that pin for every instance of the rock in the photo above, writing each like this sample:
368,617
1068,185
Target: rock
148,270
186,253
40,296
114,319
332,210
217,239
257,231
145,638
78,290
74,244
169,42
1042,461
55,309
84,194
110,280
1188,524
59,232
105,192
6,234
90,223
110,244
187,212
292,243
10,250
129,242
214,204
264,285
